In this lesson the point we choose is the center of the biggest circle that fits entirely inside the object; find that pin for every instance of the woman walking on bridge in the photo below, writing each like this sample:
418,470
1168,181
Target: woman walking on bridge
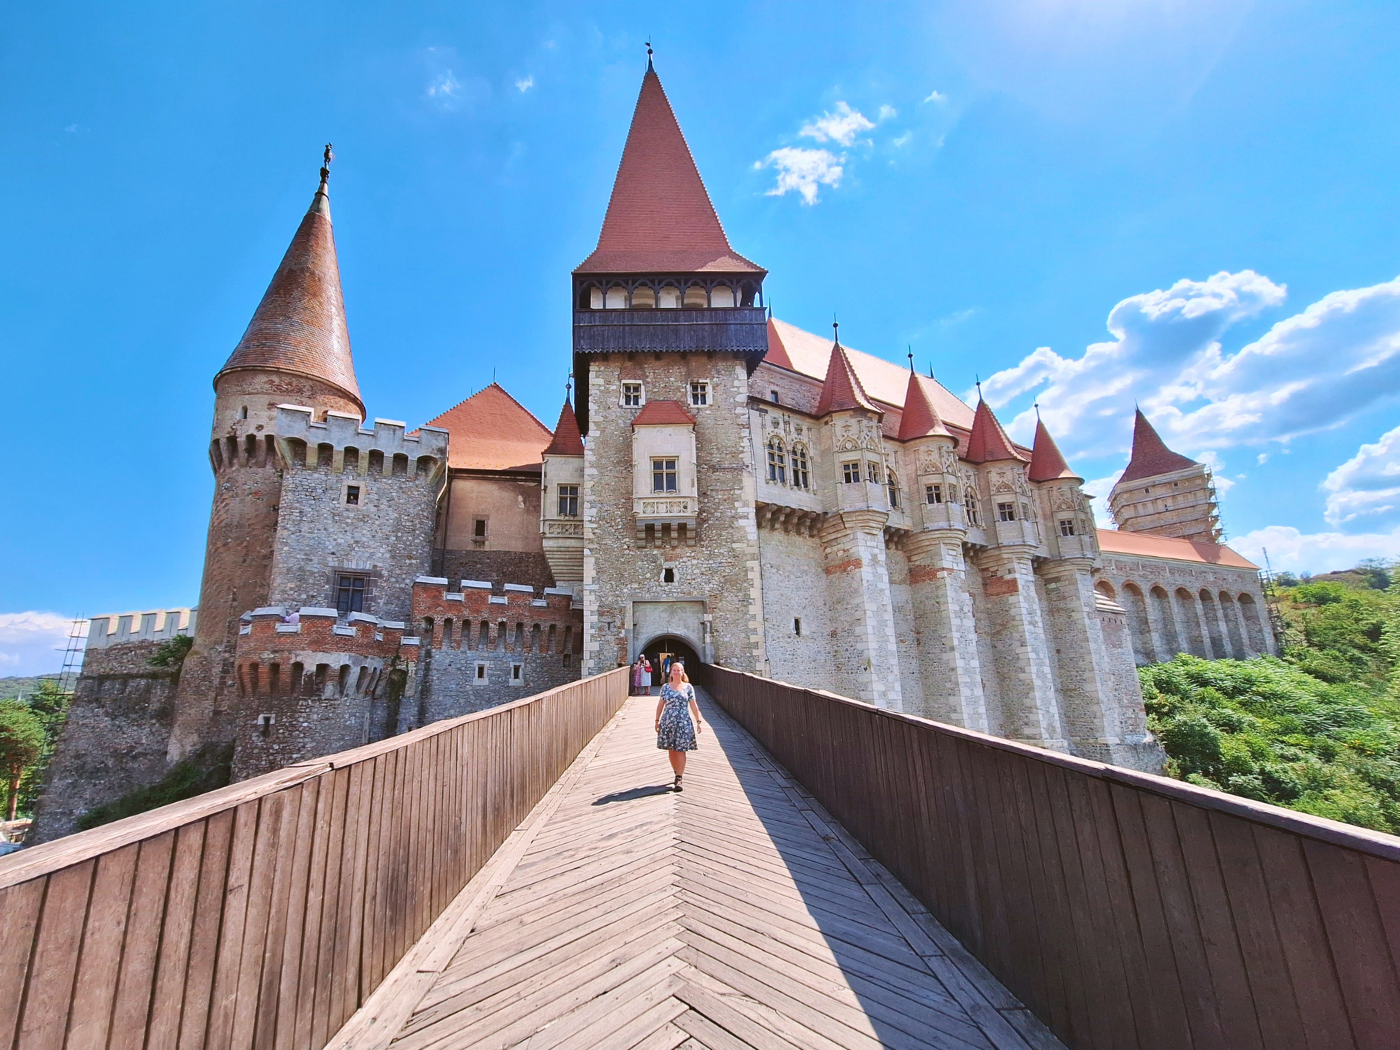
674,731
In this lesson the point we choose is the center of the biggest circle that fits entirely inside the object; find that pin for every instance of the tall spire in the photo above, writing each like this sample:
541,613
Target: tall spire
988,441
1150,454
299,326
659,218
1046,462
920,418
567,439
842,388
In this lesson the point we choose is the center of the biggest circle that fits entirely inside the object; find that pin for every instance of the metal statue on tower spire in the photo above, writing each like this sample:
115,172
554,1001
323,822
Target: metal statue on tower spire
326,157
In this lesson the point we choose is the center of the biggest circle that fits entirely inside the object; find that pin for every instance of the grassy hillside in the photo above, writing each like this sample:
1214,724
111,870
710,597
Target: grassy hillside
13,688
1317,731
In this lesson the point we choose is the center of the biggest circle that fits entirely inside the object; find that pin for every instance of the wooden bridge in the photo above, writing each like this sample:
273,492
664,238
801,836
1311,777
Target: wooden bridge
833,876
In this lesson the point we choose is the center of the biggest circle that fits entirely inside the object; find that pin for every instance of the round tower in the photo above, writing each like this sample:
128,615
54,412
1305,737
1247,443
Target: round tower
296,350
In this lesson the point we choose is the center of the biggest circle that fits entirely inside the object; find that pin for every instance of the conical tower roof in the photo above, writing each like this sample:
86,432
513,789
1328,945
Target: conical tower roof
920,418
660,219
1150,454
988,442
842,388
300,324
567,439
1046,462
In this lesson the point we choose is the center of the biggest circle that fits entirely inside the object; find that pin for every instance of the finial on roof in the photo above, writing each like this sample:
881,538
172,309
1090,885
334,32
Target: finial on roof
326,157
1036,406
569,386
835,330
978,380
649,66
930,369
911,358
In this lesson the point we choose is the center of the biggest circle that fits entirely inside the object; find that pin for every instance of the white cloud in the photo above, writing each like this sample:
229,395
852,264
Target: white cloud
445,86
937,96
886,113
1294,551
1309,372
1367,485
33,642
903,139
842,126
525,84
1099,489
1262,458
803,170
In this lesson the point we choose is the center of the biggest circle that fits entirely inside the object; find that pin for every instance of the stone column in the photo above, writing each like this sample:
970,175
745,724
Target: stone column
945,632
1030,710
1242,625
862,619
1161,634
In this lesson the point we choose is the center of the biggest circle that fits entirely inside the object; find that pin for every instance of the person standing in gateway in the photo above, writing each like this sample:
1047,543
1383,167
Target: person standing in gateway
675,733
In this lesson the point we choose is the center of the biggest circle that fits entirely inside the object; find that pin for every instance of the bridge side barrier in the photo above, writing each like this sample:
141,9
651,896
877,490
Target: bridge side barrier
1126,910
264,914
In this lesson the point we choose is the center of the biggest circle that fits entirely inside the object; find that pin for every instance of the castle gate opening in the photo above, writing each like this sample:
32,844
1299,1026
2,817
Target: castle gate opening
661,651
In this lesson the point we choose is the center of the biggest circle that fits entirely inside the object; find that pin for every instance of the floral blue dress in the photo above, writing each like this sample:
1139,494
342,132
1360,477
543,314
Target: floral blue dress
677,732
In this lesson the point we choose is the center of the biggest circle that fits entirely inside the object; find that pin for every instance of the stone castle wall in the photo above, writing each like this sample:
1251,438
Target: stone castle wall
794,588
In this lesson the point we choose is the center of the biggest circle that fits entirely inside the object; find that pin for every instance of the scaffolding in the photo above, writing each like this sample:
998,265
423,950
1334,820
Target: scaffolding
73,653
1276,621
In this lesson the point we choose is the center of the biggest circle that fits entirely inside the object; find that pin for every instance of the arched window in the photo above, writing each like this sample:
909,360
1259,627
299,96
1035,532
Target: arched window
616,298
777,461
801,477
892,484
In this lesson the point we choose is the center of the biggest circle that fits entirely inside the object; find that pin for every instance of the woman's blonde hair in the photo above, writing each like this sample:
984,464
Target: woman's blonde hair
681,664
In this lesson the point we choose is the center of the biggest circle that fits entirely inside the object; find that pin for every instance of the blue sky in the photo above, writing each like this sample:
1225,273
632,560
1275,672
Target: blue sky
1189,203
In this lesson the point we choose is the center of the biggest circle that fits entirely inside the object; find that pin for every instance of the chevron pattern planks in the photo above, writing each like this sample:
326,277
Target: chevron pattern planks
735,914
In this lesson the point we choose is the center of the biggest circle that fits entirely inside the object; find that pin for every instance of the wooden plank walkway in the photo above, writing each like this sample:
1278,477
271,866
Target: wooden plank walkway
734,914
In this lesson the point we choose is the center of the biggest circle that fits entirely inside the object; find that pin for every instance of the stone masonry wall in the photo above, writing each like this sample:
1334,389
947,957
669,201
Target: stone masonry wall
115,740
911,686
528,567
794,587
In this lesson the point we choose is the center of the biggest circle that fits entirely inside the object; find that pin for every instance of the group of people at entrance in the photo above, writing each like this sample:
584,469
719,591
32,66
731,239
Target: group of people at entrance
643,669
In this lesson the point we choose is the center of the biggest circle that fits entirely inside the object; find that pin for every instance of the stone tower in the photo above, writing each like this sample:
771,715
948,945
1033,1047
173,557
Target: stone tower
296,350
668,326
561,480
1163,492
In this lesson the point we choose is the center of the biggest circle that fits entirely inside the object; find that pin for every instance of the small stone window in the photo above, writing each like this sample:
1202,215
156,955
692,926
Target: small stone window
872,472
663,475
850,472
352,495
668,575
631,395
1066,526
892,483
479,526
244,414
773,397
1006,512
933,493
777,461
797,626
350,594
800,477
568,501
517,674
481,672
973,518
699,394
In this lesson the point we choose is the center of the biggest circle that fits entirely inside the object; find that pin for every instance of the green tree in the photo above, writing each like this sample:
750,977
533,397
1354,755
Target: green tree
22,741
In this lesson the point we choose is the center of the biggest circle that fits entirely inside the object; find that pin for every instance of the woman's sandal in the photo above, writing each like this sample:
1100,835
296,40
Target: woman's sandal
677,785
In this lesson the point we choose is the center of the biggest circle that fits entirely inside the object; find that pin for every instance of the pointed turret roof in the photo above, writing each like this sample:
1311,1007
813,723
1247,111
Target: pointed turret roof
988,441
567,440
1046,462
920,418
492,431
842,388
300,324
1150,454
659,217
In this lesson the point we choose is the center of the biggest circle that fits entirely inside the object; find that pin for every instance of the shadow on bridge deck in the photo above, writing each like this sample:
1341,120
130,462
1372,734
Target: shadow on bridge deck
734,914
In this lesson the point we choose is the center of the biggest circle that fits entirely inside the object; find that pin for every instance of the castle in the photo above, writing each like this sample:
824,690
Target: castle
723,486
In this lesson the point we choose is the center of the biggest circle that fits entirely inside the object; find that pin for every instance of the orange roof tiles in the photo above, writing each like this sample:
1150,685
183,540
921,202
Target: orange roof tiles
1146,545
841,390
299,326
920,418
1046,462
659,218
663,414
492,431
988,442
567,440
1150,454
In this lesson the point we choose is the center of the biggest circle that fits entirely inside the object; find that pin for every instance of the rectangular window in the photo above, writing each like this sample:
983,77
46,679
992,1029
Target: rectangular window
479,532
631,395
872,473
797,626
973,518
893,486
773,397
568,501
1066,526
481,672
1006,511
933,493
800,477
699,394
352,495
350,594
850,472
663,475
517,673
777,461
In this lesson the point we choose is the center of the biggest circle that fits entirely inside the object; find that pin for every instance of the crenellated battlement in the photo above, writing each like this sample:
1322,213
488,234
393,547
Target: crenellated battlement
157,625
475,617
340,444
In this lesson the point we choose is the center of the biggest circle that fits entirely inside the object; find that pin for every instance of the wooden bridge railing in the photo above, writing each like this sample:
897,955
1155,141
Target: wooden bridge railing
263,914
1126,910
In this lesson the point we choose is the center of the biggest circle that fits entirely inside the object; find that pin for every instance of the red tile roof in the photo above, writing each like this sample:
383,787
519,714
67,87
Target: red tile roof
920,418
659,218
300,324
1046,462
842,390
988,442
663,414
567,440
492,431
1146,545
1150,454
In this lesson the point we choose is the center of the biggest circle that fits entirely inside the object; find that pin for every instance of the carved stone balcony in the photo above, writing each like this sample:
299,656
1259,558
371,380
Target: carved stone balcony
666,520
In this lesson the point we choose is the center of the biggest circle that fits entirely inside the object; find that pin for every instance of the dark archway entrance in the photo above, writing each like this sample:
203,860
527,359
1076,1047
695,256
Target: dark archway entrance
659,649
